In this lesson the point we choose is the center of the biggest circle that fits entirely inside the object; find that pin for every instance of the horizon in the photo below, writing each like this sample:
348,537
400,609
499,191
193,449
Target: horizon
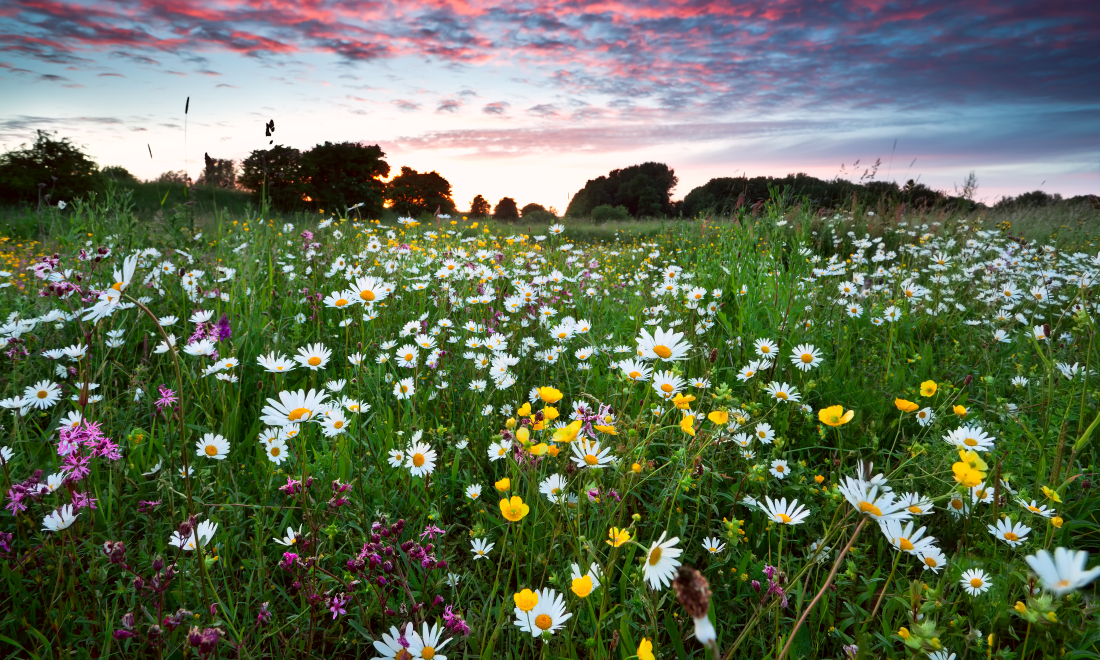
531,100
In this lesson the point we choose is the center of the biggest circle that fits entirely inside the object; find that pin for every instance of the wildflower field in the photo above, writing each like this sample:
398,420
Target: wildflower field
775,436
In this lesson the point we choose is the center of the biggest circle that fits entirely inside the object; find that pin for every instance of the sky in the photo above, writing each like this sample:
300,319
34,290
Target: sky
531,98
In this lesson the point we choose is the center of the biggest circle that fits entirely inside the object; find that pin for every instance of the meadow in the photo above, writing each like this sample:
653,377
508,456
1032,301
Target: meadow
779,435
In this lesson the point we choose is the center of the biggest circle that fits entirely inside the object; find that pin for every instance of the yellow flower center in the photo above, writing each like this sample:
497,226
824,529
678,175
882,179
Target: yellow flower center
337,424
975,582
298,413
904,544
42,394
915,510
591,459
654,556
403,654
781,395
765,349
779,517
367,295
314,361
275,451
543,621
341,302
1033,509
211,450
662,351
1062,584
956,504
807,358
970,442
1011,536
867,507
930,561
427,653
634,375
408,357
418,460
666,388
404,389
117,286
779,468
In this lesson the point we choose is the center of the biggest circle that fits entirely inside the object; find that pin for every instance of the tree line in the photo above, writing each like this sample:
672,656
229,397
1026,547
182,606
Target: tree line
339,176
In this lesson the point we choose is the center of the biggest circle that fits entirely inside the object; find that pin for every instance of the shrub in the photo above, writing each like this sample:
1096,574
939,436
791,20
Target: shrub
608,213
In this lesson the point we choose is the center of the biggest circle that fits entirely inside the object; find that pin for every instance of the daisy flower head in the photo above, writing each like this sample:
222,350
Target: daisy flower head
588,454
974,581
779,469
553,487
397,458
783,392
925,416
547,616
294,407
903,538
427,644
713,545
806,357
499,450
63,518
313,356
661,562
480,548
473,491
334,423
370,289
971,438
766,348
635,370
212,446
275,363
1011,534
785,514
1062,572
667,384
291,538
764,433
42,395
340,299
661,345
420,460
1038,509
276,451
932,559
404,389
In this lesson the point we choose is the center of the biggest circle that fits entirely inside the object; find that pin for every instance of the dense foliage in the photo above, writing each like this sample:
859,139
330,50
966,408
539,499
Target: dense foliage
413,193
643,190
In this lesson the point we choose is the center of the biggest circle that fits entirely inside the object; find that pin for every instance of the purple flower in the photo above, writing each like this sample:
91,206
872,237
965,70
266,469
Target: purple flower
167,397
223,330
430,531
264,617
336,605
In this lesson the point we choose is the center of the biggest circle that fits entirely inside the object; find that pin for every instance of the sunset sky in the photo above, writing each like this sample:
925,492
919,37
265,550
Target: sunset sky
531,98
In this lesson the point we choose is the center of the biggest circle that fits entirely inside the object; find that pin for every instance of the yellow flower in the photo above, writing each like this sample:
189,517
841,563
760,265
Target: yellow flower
903,633
553,451
819,479
1020,607
636,468
514,509
928,388
550,413
645,649
683,402
511,423
974,460
610,430
959,410
540,449
523,435
1052,617
835,416
549,394
905,406
966,475
526,600
568,433
617,537
524,410
719,417
504,484
1052,494
1056,521
687,425
582,586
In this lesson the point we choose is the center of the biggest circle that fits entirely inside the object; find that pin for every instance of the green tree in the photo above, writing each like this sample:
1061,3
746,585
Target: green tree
644,190
506,210
50,169
278,171
414,193
219,173
344,174
119,174
479,208
531,208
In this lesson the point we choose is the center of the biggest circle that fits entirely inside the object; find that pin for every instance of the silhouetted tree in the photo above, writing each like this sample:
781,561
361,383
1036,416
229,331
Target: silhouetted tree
219,173
51,167
506,210
118,173
413,193
278,172
531,208
174,177
644,190
341,175
479,208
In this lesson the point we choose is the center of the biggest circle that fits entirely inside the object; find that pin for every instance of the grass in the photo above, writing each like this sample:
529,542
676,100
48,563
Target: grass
327,523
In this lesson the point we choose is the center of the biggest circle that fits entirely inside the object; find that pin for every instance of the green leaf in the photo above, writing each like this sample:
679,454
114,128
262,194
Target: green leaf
674,635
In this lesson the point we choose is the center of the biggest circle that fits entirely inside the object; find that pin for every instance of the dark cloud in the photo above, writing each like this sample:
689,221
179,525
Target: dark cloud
543,110
448,105
496,108
111,75
407,106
